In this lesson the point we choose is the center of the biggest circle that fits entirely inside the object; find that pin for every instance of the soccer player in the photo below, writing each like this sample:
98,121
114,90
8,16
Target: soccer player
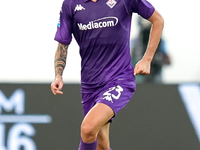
102,31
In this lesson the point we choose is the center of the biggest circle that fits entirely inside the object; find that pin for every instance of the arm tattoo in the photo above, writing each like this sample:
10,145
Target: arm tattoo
60,59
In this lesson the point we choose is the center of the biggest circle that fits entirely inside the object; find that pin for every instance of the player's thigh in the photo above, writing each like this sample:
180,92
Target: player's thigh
97,117
103,137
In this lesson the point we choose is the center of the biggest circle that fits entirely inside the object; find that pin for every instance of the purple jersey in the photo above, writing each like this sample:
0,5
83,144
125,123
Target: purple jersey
102,31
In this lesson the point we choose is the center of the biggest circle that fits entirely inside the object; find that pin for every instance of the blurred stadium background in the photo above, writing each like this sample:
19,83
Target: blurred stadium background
159,117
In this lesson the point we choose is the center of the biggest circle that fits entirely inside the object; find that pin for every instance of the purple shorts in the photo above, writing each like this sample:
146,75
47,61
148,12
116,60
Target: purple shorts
114,94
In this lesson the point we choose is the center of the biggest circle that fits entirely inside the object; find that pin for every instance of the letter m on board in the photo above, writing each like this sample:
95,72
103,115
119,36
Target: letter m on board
14,103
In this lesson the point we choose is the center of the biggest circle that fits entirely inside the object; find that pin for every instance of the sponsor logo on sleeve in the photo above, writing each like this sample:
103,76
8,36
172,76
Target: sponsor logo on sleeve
58,25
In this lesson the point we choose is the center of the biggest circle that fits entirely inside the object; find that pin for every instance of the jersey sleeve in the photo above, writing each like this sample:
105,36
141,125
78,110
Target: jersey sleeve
141,7
64,27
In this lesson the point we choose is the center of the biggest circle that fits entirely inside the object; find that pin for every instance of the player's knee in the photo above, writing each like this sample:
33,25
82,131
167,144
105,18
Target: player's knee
87,132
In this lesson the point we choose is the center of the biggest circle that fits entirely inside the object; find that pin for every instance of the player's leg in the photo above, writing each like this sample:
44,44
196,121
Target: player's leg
103,138
95,119
109,101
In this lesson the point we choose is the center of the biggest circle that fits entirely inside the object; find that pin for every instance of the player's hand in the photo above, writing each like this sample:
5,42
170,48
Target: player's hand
57,85
142,67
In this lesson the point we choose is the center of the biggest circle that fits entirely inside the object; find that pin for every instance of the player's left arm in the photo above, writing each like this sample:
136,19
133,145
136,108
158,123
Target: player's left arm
143,66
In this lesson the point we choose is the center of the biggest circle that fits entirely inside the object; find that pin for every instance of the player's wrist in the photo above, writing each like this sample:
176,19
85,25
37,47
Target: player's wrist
58,77
147,59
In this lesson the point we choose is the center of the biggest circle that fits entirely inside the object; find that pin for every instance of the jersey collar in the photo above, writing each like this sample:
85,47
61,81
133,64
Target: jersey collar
86,0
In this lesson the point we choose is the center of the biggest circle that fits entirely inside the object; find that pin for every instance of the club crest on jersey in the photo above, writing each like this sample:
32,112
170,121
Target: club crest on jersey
111,3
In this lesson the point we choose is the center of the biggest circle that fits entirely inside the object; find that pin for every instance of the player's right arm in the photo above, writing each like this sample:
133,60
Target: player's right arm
59,64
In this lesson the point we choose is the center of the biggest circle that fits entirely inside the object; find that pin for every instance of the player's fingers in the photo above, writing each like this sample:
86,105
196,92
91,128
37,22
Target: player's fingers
59,87
54,91
58,92
54,88
140,72
144,72
137,70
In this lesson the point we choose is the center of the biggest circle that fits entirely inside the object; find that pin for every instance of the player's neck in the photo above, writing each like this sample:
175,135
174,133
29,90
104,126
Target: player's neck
94,0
